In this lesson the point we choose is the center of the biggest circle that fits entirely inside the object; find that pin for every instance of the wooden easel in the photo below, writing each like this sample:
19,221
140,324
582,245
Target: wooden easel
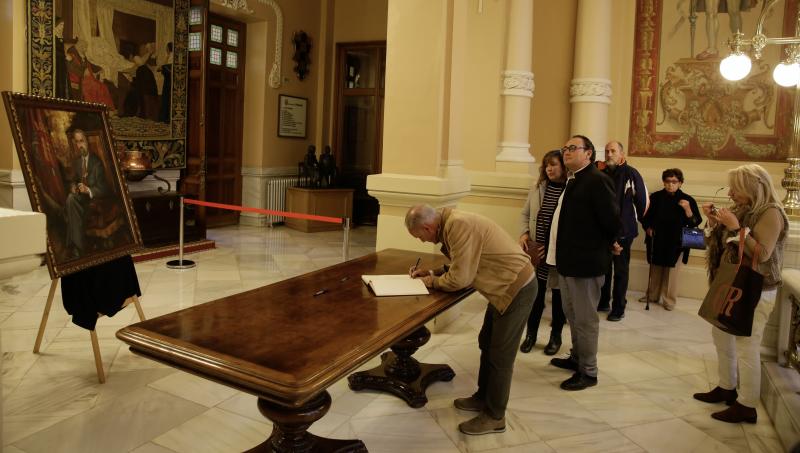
98,360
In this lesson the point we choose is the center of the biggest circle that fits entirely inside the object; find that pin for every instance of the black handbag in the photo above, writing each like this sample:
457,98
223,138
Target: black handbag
693,238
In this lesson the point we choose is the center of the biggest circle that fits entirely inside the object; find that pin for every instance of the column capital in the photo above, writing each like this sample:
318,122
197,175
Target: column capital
590,89
518,83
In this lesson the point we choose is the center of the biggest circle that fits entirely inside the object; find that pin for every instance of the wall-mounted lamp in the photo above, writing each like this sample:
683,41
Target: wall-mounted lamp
737,65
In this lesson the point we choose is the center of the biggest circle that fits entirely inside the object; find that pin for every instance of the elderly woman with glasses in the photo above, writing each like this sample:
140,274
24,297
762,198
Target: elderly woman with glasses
670,211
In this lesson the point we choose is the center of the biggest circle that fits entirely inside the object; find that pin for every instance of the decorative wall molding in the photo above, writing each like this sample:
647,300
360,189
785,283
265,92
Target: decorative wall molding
238,5
518,83
590,89
274,79
514,152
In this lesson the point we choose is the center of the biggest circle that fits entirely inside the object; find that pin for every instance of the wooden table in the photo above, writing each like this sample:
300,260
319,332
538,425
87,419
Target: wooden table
286,344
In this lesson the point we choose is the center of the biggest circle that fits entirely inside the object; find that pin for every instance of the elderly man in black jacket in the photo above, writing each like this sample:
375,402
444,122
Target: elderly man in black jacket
587,219
632,200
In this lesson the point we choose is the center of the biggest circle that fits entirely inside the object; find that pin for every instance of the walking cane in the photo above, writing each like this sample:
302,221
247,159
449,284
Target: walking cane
649,274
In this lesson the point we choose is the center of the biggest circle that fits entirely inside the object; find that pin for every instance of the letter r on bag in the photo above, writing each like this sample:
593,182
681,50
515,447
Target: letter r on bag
731,297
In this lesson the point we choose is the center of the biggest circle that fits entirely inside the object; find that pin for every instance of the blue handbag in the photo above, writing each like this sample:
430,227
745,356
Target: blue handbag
693,238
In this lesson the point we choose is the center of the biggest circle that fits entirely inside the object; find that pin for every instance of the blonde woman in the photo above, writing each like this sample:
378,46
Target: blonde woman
757,210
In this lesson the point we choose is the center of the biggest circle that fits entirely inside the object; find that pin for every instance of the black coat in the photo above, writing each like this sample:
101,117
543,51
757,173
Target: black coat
587,225
667,219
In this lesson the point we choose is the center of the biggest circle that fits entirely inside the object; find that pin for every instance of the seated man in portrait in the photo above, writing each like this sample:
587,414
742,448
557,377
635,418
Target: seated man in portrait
88,183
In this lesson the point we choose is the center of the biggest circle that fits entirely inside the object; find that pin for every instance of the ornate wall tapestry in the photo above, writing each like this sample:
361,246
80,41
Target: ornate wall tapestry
680,104
130,55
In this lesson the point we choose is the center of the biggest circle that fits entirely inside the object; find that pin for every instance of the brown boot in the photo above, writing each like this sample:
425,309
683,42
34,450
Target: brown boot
483,424
717,395
737,414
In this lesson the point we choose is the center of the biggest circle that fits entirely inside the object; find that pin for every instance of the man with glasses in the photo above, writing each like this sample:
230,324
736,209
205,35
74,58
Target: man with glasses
632,200
586,223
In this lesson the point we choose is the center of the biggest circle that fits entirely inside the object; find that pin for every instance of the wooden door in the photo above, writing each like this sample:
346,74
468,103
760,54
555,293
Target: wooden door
224,105
359,121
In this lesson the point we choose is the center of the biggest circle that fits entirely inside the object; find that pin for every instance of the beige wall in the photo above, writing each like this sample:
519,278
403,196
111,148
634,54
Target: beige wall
415,104
360,20
13,69
350,21
553,42
262,146
484,62
327,22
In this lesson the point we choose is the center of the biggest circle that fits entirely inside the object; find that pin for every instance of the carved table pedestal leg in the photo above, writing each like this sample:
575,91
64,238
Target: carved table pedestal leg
290,429
401,374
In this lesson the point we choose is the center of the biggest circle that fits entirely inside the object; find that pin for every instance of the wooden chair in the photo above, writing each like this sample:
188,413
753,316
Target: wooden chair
98,359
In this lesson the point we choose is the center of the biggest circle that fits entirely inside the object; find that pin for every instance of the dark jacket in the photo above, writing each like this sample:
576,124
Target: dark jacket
667,219
587,225
631,199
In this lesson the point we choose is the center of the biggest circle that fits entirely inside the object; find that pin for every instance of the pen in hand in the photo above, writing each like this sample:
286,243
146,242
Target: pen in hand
416,265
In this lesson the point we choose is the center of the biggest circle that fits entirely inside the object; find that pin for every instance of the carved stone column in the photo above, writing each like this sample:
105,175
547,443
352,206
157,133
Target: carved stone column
517,85
590,90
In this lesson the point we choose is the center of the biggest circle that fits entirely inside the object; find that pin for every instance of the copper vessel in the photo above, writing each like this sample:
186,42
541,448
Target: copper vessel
136,165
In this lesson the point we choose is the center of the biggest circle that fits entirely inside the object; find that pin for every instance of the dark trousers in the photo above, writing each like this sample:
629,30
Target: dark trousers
538,308
619,268
499,342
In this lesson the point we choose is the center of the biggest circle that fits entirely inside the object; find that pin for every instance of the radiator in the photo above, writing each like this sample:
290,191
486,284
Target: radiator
276,195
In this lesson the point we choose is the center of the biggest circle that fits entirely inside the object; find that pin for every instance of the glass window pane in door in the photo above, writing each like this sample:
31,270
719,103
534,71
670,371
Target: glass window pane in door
359,136
215,56
360,68
216,34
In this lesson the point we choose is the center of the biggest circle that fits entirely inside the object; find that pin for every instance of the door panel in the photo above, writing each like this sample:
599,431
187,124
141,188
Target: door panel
224,110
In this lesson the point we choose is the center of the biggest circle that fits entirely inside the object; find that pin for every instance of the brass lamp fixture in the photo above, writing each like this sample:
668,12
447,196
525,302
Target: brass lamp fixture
737,65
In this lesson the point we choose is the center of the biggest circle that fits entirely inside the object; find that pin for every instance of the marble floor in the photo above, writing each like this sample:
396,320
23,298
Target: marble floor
650,364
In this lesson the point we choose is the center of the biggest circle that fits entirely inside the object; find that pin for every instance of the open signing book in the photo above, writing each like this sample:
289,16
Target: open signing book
395,285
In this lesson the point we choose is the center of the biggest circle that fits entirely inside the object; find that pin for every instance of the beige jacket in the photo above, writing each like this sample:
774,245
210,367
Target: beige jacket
483,256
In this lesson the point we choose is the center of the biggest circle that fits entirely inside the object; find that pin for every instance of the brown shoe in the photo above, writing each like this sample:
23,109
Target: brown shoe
482,424
737,414
717,395
469,404
668,307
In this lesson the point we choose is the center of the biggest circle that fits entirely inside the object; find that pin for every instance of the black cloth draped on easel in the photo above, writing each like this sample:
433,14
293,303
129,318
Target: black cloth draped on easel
99,289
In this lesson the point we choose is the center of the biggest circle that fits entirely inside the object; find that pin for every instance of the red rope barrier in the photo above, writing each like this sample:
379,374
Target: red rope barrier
293,215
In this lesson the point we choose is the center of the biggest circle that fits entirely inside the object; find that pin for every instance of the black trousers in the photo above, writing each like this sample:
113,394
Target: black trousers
538,308
620,265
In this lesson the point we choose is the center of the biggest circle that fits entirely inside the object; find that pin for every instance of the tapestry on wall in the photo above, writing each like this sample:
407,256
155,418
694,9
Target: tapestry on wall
680,104
130,55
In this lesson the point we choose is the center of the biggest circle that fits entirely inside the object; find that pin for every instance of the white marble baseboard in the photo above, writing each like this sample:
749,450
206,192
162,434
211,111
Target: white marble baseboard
779,394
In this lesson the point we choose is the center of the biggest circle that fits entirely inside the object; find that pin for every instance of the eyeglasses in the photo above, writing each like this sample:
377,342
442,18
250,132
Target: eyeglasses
571,148
671,181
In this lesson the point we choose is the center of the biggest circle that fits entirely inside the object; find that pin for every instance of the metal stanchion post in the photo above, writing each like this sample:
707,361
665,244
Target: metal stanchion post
180,263
346,241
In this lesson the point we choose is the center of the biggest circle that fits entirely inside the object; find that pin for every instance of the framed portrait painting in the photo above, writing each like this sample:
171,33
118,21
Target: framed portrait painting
680,104
130,55
67,156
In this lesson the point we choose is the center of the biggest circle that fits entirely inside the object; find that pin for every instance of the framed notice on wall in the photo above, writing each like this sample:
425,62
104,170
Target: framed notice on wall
292,114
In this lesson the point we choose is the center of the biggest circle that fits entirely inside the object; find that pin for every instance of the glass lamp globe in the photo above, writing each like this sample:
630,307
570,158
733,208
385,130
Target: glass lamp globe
735,66
786,75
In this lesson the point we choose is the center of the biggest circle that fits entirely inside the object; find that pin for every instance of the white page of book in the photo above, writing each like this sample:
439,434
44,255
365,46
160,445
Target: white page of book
395,285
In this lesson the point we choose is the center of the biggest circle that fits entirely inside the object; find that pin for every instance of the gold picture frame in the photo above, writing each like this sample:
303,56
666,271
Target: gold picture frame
73,176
